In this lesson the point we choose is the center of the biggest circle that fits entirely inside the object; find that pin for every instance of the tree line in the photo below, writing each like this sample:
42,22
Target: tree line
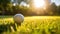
7,8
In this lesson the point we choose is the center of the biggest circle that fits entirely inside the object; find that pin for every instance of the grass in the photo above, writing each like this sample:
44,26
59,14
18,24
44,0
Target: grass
35,25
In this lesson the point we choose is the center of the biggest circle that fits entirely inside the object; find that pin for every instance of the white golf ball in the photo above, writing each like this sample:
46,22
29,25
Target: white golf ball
18,18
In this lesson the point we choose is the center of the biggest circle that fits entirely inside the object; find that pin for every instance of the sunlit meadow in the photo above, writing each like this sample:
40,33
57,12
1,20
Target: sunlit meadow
34,25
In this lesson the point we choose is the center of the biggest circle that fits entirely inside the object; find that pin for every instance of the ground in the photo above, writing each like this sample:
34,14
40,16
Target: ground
34,25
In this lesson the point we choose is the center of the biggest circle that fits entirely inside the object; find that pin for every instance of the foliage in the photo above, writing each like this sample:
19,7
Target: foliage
58,10
7,8
33,25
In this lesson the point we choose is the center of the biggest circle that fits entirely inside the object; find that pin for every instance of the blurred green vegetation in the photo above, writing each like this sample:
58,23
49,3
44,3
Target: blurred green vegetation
32,25
7,8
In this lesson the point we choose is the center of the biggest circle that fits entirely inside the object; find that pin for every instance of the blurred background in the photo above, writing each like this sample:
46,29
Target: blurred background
30,7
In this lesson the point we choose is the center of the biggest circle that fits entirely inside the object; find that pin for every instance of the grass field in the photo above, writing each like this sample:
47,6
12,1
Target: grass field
34,25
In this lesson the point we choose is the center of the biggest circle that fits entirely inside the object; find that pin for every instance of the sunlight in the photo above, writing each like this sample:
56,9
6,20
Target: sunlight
39,3
24,4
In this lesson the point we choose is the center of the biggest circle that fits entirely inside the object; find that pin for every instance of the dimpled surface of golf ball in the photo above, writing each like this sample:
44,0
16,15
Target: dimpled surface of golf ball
18,18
